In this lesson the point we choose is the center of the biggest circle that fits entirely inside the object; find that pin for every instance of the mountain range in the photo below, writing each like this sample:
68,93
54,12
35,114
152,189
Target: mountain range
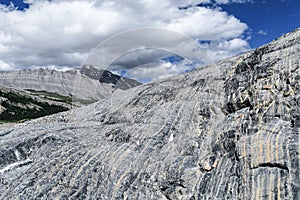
87,83
225,131
33,93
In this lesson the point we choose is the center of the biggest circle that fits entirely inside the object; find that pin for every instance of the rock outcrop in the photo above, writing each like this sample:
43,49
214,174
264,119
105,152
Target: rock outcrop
227,131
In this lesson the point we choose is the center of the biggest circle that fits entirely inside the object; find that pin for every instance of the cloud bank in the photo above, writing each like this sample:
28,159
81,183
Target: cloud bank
62,33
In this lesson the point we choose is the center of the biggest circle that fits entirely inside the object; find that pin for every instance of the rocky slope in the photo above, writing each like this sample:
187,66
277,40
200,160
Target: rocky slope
227,131
79,84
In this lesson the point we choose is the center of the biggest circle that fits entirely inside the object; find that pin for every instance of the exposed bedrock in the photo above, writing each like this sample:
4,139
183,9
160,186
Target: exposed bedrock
229,131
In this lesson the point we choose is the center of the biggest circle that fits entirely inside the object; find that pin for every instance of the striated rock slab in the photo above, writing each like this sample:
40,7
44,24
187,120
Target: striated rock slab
229,131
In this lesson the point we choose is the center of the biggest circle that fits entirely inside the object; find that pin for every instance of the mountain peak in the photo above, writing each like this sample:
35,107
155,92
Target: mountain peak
105,76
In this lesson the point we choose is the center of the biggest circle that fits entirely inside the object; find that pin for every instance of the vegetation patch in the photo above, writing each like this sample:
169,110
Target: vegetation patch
60,98
19,108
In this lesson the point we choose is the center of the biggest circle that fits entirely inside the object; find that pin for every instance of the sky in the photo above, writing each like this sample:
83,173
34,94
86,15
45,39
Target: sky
60,34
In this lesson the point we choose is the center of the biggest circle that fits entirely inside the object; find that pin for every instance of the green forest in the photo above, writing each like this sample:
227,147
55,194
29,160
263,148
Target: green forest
20,108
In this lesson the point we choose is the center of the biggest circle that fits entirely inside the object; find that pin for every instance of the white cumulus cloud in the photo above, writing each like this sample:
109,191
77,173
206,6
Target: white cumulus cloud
262,32
5,67
62,33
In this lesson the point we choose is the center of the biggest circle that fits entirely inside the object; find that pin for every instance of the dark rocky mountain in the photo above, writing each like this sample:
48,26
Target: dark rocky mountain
226,131
105,76
81,84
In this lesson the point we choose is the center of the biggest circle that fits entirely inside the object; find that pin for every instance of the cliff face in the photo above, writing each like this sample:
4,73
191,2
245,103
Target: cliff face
228,131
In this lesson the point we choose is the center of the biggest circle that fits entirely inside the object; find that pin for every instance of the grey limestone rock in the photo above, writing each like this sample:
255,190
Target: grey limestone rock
226,131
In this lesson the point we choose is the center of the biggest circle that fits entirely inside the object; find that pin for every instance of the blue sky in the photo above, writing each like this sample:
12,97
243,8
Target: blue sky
273,17
19,3
61,33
